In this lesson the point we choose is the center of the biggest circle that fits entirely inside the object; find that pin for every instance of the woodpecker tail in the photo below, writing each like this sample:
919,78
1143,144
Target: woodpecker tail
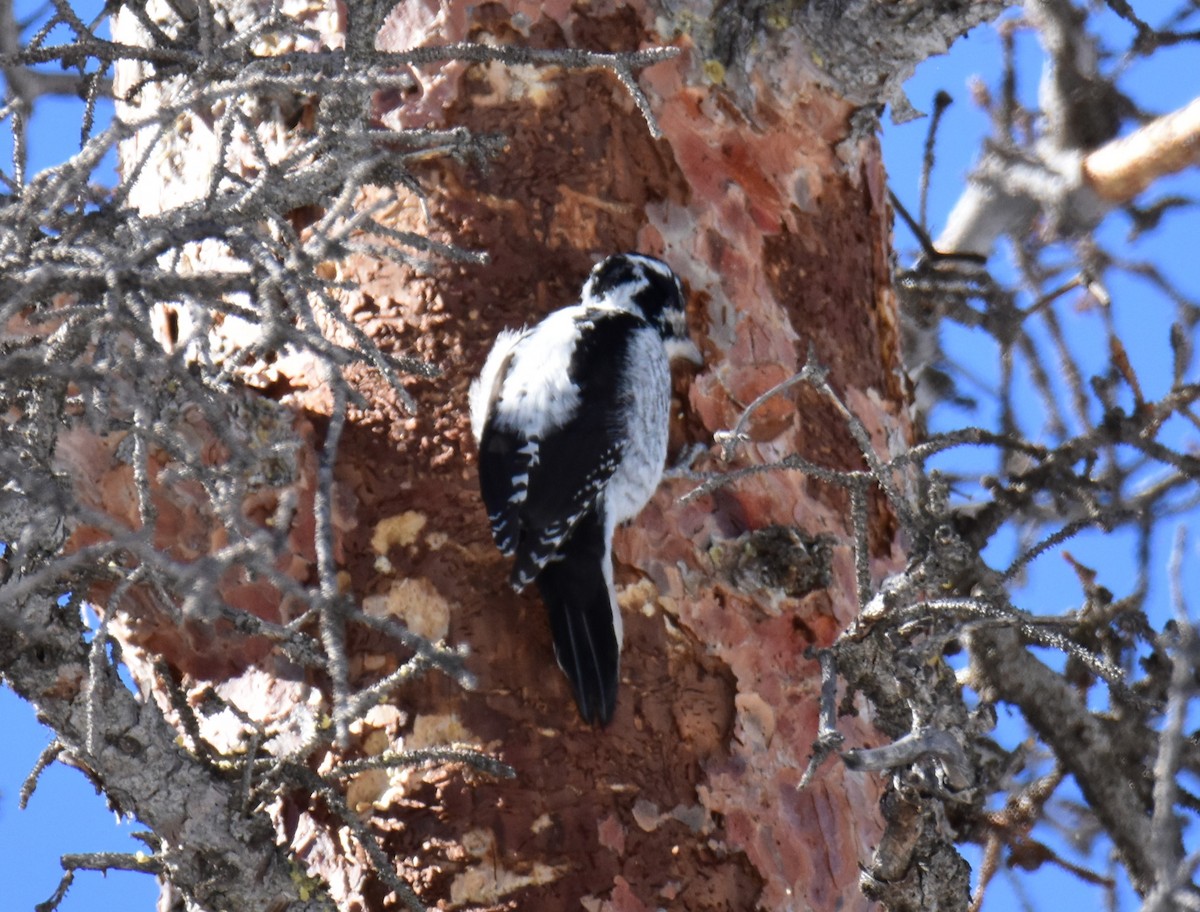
587,644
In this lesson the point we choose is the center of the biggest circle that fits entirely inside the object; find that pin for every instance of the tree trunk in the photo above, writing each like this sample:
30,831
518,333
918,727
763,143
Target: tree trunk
689,798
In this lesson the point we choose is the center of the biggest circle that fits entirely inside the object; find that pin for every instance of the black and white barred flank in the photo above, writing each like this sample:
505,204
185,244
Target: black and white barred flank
571,418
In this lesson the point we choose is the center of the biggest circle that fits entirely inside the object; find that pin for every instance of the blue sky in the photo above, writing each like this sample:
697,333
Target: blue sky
1142,315
66,815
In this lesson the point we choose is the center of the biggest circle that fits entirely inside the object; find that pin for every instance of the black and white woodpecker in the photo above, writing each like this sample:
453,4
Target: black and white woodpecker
571,418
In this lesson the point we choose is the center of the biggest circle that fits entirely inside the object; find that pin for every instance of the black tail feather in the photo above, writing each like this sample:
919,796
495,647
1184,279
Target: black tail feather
576,593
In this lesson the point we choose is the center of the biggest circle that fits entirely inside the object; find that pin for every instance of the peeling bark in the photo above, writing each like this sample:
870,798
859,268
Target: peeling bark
690,795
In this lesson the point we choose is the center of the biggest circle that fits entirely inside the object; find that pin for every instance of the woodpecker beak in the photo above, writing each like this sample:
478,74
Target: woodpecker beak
683,348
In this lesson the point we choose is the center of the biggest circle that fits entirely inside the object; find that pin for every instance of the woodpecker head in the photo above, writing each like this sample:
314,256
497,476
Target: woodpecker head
649,288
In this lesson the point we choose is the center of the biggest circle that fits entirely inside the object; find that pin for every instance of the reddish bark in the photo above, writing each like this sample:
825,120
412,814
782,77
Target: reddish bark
689,797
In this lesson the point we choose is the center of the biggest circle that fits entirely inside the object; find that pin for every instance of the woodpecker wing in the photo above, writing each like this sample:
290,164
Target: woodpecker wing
500,464
575,461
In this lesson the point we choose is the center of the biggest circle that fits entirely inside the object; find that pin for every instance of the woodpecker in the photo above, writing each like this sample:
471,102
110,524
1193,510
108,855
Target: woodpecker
571,419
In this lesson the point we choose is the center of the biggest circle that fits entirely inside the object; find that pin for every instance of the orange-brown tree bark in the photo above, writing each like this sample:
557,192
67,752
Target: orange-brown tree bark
774,212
